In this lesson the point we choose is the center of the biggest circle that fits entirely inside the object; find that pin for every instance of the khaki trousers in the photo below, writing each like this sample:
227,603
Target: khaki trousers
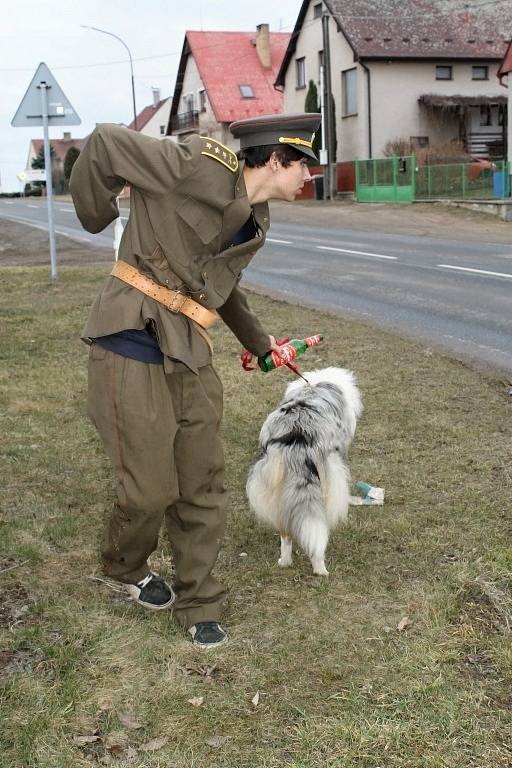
161,432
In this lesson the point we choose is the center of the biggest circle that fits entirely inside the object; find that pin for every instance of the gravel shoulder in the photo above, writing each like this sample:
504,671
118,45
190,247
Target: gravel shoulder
436,220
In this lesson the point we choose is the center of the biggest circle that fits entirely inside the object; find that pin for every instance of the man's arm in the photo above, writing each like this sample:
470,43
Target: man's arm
239,318
115,155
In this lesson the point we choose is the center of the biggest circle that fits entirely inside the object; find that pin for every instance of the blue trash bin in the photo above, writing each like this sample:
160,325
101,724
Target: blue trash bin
498,183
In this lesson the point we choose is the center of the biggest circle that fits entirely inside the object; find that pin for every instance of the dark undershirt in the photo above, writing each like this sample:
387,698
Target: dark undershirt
142,345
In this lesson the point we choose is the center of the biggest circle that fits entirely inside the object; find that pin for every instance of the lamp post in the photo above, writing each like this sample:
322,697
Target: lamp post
104,31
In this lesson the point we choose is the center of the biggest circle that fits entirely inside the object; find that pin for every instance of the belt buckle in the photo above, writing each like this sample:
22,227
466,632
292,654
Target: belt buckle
177,295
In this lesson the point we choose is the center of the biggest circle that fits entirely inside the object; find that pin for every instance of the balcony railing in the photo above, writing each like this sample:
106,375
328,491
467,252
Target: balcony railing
185,121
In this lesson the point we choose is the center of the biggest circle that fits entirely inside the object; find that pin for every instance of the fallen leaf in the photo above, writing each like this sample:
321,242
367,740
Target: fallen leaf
404,623
130,722
196,701
216,741
116,742
154,744
88,739
131,755
204,671
256,699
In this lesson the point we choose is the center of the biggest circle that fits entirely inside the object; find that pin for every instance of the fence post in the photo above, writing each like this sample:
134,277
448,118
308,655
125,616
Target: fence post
357,179
395,179
413,177
429,182
463,169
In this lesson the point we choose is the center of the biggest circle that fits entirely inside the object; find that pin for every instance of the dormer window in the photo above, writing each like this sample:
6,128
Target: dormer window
246,91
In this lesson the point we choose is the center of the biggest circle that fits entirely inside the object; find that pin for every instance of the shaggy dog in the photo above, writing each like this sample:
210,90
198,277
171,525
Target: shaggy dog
299,484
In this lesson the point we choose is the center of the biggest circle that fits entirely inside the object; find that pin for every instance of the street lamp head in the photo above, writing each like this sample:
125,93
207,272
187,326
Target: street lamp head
111,34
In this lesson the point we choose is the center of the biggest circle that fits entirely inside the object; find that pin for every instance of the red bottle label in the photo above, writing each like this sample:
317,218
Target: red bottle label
312,341
288,353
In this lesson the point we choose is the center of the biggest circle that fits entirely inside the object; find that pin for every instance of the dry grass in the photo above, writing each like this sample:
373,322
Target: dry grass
339,685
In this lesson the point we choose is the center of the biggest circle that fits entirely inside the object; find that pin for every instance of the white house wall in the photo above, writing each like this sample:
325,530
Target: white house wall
159,119
208,125
351,137
396,88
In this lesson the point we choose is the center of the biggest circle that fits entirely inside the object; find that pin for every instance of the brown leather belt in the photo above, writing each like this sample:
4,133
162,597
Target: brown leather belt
174,300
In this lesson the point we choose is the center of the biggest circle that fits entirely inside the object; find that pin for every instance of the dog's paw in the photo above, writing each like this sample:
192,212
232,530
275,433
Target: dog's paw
284,562
319,569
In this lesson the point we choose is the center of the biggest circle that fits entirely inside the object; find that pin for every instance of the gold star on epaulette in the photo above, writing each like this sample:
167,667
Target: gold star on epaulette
219,152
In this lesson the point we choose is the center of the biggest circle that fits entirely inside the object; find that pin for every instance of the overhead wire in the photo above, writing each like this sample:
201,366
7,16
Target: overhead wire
464,7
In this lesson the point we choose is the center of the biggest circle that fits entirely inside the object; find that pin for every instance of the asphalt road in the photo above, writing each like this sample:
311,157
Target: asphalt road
452,294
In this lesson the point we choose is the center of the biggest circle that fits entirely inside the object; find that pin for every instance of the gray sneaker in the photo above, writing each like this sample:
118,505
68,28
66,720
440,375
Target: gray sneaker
152,592
208,634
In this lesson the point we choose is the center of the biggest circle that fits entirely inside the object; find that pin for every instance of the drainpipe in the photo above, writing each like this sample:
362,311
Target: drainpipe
369,92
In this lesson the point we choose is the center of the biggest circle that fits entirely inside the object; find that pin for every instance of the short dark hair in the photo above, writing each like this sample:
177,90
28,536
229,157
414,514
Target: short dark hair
257,157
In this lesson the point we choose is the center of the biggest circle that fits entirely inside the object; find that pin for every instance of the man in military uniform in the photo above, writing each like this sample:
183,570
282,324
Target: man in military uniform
198,214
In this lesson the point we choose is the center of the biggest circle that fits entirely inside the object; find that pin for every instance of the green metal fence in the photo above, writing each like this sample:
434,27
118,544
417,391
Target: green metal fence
397,180
386,180
463,180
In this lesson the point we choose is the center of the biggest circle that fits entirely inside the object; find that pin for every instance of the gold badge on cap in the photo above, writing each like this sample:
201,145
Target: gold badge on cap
290,140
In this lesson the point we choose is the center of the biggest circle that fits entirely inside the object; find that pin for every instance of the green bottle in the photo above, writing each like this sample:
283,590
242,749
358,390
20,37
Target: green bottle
290,351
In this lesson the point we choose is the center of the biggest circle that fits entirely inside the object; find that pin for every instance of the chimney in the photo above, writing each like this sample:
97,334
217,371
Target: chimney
66,135
156,96
263,45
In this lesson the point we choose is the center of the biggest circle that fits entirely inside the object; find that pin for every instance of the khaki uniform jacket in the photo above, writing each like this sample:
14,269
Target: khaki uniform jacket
188,201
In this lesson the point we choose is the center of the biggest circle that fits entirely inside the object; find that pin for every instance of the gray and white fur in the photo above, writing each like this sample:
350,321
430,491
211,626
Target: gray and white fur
299,483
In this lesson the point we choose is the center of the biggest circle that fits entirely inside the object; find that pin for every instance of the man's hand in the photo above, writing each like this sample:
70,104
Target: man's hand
275,346
247,357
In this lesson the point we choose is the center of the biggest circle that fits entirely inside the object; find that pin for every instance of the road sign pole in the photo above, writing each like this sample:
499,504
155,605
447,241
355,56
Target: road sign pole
49,184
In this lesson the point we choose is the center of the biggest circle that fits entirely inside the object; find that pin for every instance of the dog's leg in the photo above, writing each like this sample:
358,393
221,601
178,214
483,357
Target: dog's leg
318,564
317,534
286,552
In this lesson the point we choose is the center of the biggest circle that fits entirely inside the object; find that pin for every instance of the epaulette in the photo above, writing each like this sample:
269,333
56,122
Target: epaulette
218,151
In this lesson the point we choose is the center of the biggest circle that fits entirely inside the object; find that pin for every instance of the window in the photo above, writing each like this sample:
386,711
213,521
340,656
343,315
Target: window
202,100
480,73
444,72
301,72
320,62
485,114
246,91
188,102
418,141
162,130
317,10
349,91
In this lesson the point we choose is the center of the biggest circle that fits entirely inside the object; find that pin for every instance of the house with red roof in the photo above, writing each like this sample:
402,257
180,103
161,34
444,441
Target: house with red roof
153,119
423,71
60,149
223,77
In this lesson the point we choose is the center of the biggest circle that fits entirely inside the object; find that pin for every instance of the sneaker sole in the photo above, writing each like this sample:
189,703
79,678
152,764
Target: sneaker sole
206,646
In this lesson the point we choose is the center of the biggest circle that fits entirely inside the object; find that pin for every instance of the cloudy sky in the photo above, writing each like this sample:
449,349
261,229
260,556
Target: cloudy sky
92,68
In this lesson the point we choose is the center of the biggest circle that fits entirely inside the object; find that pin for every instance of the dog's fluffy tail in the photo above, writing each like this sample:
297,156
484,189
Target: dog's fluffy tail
302,495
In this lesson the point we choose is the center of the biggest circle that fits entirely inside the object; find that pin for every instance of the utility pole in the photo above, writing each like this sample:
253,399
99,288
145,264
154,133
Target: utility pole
330,128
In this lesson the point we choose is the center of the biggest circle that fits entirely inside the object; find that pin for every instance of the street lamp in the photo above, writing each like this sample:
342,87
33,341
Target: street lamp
104,31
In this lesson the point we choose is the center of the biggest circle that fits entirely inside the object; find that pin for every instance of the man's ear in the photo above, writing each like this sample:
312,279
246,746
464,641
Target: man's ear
274,162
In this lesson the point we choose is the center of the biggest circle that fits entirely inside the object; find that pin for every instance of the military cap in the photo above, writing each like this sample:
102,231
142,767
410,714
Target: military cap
296,131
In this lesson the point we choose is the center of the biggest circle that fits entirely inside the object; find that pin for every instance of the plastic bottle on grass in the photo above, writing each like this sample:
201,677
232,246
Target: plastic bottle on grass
290,352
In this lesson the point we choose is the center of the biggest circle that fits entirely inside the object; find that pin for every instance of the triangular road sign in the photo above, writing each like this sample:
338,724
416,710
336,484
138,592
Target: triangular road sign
60,111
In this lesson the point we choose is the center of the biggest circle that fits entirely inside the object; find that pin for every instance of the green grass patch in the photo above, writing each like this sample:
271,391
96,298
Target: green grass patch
88,678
